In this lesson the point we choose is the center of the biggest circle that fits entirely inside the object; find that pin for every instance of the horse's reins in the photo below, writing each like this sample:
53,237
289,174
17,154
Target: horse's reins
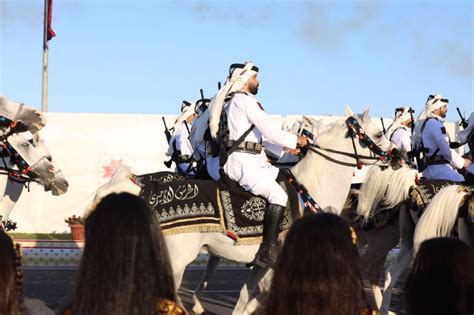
354,130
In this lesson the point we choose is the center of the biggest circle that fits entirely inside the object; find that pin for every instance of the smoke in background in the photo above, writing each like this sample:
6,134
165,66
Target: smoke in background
321,25
326,26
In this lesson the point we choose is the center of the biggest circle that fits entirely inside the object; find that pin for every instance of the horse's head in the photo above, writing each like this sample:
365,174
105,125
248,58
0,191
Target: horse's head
367,137
122,181
59,184
32,158
33,119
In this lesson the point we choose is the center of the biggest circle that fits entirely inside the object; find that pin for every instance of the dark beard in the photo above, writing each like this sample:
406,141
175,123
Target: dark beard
253,89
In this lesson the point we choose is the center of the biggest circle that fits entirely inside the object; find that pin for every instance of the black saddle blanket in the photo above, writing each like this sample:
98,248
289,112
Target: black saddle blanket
422,194
191,205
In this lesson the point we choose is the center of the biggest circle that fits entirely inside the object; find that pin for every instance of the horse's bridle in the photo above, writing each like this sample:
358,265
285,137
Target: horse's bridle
355,130
24,172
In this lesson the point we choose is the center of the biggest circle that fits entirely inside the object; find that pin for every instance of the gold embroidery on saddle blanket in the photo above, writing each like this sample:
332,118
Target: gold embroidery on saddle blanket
243,217
190,206
422,194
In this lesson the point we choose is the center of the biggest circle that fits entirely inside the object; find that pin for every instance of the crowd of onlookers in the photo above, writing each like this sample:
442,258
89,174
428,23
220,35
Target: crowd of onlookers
125,269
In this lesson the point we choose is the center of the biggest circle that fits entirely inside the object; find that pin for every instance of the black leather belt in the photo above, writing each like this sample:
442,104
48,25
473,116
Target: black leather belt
436,160
246,147
184,158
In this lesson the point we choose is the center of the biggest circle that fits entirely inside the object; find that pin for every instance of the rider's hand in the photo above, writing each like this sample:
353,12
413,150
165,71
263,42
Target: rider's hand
301,141
293,151
467,162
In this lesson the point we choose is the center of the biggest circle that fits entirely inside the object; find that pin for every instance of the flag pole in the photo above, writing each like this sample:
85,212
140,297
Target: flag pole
44,86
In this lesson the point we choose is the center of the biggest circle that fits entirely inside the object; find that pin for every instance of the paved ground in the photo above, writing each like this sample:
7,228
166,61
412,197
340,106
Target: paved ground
54,287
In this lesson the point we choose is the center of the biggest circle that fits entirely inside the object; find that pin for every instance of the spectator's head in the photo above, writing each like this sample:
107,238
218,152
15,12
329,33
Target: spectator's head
10,276
125,266
442,280
317,271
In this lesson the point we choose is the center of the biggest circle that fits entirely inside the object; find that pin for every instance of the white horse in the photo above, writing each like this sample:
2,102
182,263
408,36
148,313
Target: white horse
439,219
12,113
383,190
326,173
24,161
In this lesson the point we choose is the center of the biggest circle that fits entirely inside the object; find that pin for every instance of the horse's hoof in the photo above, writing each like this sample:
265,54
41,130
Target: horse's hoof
197,308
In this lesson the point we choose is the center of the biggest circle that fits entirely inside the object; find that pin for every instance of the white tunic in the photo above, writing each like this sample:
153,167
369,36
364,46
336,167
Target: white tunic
435,136
183,145
253,171
401,137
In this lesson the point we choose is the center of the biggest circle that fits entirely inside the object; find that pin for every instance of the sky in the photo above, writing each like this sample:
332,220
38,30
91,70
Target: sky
315,57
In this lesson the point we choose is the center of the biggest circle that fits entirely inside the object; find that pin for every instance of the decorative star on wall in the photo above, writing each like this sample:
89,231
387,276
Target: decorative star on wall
110,169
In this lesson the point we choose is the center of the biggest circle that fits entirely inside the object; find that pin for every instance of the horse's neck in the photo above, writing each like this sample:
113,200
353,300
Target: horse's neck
327,182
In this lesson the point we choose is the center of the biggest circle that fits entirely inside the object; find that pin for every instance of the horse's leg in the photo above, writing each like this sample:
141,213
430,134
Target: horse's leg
210,268
257,299
380,242
402,261
12,194
3,211
183,248
466,234
248,291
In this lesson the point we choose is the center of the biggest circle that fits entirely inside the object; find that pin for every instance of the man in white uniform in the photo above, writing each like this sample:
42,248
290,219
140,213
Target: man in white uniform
179,146
431,136
249,129
401,134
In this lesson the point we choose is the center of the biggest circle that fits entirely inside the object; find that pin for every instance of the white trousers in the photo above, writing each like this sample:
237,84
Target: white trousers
256,175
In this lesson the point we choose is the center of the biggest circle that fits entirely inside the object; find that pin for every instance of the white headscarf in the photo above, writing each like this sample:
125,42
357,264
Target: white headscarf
187,109
401,115
432,103
464,134
239,75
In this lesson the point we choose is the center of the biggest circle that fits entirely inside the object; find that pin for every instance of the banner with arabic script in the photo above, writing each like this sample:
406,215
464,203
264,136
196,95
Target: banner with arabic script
186,205
182,205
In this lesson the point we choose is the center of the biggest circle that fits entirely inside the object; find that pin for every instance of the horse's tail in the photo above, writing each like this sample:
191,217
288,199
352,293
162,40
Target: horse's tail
440,216
384,187
119,182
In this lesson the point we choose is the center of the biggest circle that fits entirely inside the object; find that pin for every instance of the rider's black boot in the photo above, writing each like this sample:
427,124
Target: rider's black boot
268,251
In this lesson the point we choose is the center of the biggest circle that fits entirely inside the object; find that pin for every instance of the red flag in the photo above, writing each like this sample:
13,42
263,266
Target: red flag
51,33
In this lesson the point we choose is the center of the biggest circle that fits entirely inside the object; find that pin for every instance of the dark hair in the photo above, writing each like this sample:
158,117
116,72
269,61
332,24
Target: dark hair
317,271
442,280
11,293
125,266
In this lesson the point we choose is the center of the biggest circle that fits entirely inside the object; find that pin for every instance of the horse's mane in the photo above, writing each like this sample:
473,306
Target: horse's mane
326,137
384,189
439,217
117,183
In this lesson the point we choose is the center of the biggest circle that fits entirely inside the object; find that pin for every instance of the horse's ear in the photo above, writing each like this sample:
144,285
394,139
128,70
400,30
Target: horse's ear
348,111
36,138
365,115
307,120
